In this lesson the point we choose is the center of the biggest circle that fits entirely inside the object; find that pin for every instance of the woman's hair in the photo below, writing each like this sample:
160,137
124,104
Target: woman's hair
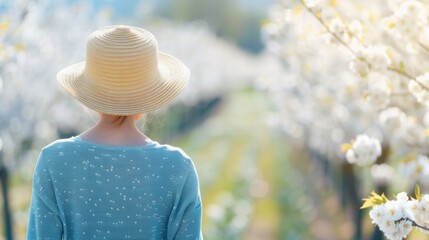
119,119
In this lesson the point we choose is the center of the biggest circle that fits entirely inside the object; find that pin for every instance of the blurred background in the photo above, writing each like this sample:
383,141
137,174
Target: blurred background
267,168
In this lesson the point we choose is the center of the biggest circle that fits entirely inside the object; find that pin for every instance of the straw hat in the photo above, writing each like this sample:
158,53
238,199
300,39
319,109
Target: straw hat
124,73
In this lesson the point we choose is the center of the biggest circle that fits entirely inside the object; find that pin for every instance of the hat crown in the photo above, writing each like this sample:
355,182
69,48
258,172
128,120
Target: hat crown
122,56
124,73
122,28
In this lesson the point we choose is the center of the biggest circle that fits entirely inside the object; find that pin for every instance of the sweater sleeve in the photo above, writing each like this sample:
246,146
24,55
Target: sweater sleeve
185,218
44,220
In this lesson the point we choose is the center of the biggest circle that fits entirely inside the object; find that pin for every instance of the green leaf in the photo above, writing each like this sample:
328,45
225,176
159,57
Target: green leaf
384,198
402,66
368,203
373,200
418,193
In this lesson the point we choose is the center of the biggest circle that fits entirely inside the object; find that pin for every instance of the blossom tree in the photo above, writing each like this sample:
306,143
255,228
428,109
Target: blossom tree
376,53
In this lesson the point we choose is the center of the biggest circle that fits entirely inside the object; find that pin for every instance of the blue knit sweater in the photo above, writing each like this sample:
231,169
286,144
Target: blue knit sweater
84,190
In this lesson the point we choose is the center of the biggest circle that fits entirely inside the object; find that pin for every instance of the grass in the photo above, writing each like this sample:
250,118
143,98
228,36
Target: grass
245,148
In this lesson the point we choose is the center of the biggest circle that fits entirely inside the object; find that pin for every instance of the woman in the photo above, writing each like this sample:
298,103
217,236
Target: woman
113,182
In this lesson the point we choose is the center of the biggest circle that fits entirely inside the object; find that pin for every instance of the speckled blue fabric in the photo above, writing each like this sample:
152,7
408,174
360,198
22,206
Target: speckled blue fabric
84,190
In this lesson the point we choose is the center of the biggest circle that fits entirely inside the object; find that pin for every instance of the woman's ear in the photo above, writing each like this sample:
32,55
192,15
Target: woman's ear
138,116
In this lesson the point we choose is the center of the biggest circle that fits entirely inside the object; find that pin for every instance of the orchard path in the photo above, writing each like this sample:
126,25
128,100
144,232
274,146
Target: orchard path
235,152
247,172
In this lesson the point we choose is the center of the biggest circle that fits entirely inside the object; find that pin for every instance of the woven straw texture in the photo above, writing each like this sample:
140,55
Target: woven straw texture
124,73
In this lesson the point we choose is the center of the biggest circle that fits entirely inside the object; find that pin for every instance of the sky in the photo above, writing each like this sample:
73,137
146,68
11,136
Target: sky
124,7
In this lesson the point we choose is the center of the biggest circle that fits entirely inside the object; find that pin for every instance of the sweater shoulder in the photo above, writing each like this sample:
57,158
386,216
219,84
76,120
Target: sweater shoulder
49,155
173,151
177,155
57,146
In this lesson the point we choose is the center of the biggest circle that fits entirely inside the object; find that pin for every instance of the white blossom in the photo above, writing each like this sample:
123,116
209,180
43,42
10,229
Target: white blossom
419,211
388,24
426,119
378,57
356,29
392,217
392,118
408,20
365,150
359,64
416,170
424,80
370,58
424,36
413,132
312,4
377,214
337,27
379,91
421,95
412,10
382,173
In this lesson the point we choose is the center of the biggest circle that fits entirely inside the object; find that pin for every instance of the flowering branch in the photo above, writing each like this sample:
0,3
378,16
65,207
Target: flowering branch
413,223
423,46
22,16
327,28
403,73
343,43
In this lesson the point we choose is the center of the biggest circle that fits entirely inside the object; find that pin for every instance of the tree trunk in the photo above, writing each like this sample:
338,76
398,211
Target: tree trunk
6,208
354,197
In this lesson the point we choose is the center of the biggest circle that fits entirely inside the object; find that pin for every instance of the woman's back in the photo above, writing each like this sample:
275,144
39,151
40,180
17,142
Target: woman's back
85,190
92,190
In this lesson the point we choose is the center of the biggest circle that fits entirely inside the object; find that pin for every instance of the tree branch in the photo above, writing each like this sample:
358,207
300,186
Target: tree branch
392,69
414,224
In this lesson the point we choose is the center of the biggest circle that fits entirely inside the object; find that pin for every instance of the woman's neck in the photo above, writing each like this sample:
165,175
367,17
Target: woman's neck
111,132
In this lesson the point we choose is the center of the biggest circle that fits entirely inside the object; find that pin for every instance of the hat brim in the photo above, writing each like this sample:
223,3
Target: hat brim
173,77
